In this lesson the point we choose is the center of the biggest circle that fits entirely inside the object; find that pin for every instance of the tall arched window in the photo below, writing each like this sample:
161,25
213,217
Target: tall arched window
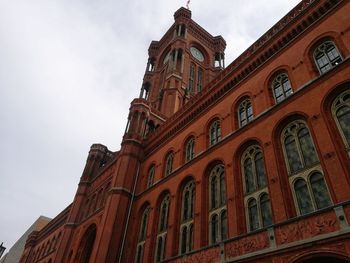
162,228
187,217
150,176
309,187
214,132
142,236
217,204
326,56
257,200
169,163
245,112
341,115
281,87
189,149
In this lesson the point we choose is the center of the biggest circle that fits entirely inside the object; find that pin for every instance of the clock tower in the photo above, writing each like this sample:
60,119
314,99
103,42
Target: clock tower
181,64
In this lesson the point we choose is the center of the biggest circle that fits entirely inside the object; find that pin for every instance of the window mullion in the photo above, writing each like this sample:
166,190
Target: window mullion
311,193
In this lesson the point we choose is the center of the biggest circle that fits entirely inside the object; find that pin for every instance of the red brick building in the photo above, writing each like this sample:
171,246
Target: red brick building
248,163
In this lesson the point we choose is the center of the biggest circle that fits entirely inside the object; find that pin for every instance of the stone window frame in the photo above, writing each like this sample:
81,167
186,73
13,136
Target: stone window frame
257,197
305,175
214,132
333,63
277,80
200,77
244,107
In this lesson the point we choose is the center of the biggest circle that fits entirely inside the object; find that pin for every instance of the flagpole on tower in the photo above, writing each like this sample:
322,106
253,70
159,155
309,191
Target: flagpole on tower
188,4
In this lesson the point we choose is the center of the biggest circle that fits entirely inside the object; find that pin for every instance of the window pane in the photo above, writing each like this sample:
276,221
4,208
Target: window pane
143,226
320,191
214,229
214,190
183,240
213,133
307,147
191,214
343,115
249,177
250,112
159,249
265,210
190,243
139,254
260,170
253,215
163,219
303,197
224,225
186,206
222,189
292,154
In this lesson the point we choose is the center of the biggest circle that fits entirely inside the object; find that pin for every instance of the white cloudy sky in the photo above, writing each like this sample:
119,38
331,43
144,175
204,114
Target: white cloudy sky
68,71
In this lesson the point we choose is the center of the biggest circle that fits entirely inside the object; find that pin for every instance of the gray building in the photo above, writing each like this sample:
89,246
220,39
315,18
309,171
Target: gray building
14,253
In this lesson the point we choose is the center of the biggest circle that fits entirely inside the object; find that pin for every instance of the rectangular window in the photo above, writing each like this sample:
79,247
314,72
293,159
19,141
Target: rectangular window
200,80
191,79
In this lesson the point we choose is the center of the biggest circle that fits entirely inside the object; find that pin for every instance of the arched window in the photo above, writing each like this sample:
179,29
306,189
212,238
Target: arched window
308,185
341,115
142,236
150,177
189,154
326,56
245,112
257,200
187,217
214,132
298,147
169,163
162,228
311,194
217,204
281,87
259,213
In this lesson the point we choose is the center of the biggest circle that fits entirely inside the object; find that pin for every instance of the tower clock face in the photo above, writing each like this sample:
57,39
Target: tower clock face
197,54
